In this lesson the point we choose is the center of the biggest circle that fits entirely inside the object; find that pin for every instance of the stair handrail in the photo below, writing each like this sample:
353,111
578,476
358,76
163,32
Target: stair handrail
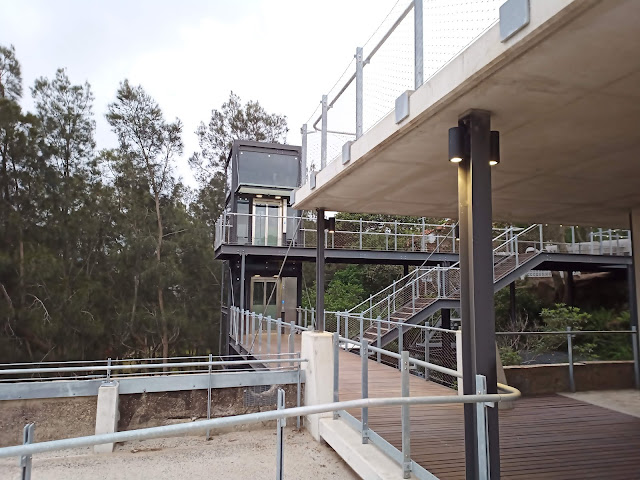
430,271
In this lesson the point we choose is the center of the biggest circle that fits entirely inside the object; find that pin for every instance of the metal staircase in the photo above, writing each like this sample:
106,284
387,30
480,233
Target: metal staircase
418,296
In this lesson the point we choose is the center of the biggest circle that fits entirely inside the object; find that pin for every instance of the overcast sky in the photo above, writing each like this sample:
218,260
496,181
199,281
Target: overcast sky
189,54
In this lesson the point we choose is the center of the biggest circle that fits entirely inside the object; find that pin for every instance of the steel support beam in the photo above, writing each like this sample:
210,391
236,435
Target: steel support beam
243,263
476,265
320,270
571,288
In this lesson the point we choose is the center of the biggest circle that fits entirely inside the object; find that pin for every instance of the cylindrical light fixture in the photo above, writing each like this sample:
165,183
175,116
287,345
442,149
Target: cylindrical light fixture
456,144
331,224
494,148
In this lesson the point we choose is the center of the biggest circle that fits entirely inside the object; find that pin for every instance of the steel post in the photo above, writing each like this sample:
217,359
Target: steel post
268,335
427,341
359,92
279,339
26,460
361,326
209,395
320,270
406,418
378,339
336,370
243,264
260,332
303,162
476,270
282,422
109,369
346,329
291,342
298,395
400,343
636,364
323,138
484,465
364,356
418,44
572,383
338,322
541,237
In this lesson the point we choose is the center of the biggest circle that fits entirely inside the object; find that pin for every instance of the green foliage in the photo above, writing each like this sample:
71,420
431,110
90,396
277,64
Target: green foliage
509,356
106,253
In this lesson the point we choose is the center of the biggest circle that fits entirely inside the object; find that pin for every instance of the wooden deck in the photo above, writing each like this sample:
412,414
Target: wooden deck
546,437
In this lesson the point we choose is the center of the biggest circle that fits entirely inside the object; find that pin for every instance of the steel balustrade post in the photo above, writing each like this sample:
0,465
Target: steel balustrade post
572,384
252,320
291,342
346,330
418,44
378,339
423,246
281,422
636,364
241,312
600,248
313,319
298,393
406,417
360,234
361,326
427,340
26,460
610,242
279,339
515,246
338,315
364,356
359,92
400,343
109,369
208,437
260,332
395,235
268,335
336,370
323,136
484,466
303,169
573,239
541,237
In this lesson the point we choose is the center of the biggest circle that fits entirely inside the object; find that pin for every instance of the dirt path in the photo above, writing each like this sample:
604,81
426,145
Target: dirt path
235,455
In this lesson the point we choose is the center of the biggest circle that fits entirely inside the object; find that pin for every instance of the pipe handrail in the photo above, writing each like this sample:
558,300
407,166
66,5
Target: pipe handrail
286,357
224,422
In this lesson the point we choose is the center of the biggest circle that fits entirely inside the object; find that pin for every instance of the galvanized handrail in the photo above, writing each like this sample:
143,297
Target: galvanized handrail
224,422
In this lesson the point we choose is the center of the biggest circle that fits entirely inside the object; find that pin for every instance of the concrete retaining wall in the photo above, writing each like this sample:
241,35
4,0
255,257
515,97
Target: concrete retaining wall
544,379
57,418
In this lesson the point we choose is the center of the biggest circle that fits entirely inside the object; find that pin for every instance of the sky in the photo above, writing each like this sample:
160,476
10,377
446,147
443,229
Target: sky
190,54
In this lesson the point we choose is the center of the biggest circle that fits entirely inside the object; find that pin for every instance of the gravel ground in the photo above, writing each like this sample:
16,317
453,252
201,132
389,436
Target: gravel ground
235,455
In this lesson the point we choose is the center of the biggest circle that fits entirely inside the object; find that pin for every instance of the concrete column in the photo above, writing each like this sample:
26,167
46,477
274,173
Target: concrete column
107,414
317,349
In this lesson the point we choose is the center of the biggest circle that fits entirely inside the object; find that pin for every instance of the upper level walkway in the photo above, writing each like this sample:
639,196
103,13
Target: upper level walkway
546,437
415,243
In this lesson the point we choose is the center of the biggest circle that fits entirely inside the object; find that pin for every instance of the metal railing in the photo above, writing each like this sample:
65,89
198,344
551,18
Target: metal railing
407,365
413,42
30,448
358,234
570,346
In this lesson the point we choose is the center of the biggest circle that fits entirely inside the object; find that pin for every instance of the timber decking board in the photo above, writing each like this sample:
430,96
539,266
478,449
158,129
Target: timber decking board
545,437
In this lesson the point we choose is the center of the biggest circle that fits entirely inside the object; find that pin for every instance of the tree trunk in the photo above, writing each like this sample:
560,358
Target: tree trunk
163,320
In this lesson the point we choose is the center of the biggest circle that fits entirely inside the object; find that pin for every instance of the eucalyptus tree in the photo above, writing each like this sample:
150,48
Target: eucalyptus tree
152,145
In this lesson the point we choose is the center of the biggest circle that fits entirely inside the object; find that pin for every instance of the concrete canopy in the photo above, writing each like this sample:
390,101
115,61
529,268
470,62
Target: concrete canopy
564,94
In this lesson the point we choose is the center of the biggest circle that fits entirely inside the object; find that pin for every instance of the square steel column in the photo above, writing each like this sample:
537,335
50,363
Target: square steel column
320,270
476,299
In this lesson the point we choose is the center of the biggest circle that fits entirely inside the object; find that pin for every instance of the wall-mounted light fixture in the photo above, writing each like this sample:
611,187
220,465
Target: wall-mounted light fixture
494,147
259,195
456,144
